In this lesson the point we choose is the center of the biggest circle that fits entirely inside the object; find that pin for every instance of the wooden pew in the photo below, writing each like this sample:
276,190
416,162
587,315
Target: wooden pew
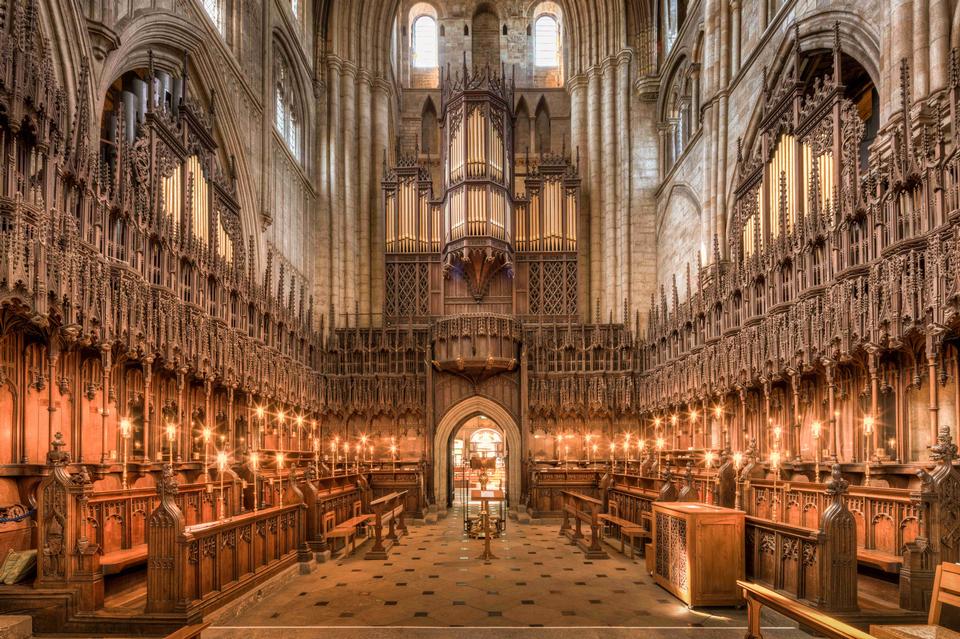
389,510
627,531
758,596
583,509
348,531
946,590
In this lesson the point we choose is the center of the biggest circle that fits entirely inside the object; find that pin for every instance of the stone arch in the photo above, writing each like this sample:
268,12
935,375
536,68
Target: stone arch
451,421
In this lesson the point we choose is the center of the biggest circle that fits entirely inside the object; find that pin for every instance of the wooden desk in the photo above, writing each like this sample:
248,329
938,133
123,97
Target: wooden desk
699,552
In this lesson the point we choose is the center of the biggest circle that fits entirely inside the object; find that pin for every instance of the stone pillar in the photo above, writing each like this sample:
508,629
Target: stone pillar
577,86
939,20
623,161
595,185
337,237
609,174
901,39
381,136
350,254
921,49
363,212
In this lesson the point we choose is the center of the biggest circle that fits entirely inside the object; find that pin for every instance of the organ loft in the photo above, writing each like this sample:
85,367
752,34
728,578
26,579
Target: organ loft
433,318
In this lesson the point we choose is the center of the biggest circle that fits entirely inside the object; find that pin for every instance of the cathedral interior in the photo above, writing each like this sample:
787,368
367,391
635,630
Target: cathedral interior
479,318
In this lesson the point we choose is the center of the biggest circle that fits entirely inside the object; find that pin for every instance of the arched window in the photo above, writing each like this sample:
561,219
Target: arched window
423,43
288,121
217,12
546,41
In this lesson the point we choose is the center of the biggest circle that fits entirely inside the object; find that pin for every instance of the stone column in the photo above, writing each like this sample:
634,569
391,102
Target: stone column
350,256
939,19
381,136
363,212
921,49
595,185
577,86
623,160
901,39
609,175
336,179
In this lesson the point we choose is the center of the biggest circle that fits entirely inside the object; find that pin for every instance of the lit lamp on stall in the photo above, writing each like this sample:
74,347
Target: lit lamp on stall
299,430
693,436
171,436
673,424
626,450
718,416
590,447
254,463
221,469
891,448
868,424
346,456
125,432
558,449
393,454
356,455
815,430
280,423
260,414
775,463
363,448
206,456
335,448
316,455
708,464
280,476
660,443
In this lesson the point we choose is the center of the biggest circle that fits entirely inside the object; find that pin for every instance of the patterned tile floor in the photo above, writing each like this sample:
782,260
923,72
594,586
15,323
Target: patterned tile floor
433,580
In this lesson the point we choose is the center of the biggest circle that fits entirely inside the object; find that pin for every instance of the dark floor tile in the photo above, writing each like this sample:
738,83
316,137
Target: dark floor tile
389,603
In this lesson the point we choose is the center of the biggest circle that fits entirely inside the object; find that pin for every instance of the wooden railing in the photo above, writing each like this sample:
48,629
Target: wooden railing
385,480
388,509
194,569
116,519
545,491
583,509
329,502
758,596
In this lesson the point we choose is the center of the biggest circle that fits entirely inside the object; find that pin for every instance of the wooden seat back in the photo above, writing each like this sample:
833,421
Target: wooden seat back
946,590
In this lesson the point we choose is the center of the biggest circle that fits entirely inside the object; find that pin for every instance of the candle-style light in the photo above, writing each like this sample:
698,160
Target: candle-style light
255,462
125,431
206,454
868,423
280,475
775,462
660,444
171,436
815,430
221,468
708,464
590,447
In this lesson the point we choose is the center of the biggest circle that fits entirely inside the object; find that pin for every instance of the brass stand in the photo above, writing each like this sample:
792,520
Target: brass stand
487,554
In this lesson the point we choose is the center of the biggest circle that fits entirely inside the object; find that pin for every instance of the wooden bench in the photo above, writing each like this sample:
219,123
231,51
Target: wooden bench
387,510
946,591
115,562
627,531
810,619
884,561
348,531
583,509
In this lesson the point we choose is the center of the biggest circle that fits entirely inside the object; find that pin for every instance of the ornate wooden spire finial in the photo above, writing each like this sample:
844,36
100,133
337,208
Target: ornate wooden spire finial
57,456
944,451
837,486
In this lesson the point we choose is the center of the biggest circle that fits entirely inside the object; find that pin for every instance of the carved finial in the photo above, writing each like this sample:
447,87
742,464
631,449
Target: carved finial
944,451
597,316
626,312
739,150
57,456
169,486
837,486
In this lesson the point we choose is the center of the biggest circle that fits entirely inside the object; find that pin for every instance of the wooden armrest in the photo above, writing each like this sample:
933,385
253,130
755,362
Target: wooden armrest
119,560
885,561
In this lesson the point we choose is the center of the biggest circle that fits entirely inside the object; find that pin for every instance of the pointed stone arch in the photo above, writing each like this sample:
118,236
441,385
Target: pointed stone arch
451,422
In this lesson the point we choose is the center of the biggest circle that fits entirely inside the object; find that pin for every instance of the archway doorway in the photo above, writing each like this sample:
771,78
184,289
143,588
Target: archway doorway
469,411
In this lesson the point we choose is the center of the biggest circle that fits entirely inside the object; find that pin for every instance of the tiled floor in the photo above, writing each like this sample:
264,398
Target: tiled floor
433,580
